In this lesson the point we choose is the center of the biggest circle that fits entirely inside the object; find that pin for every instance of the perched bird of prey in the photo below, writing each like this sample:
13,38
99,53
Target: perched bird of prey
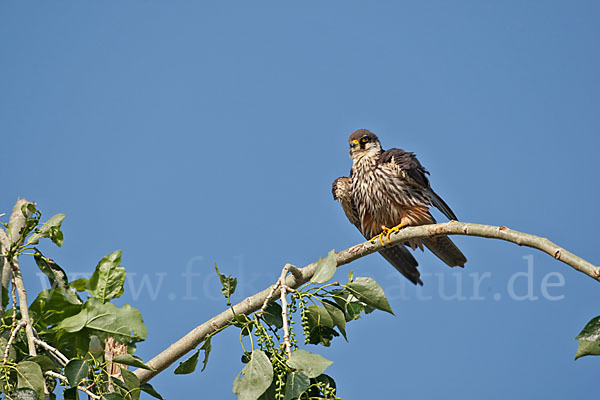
389,190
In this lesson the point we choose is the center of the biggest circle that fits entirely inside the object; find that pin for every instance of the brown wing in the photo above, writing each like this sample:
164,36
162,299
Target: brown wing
398,256
416,175
410,169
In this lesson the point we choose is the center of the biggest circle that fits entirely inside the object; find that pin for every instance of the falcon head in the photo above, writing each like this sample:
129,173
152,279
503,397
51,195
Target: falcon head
363,143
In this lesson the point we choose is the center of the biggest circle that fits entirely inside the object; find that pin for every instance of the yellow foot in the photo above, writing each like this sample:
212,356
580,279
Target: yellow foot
387,232
380,237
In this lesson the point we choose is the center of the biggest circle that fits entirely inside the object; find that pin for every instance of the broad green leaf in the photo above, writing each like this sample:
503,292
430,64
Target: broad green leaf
591,331
124,324
587,348
337,315
325,269
589,339
130,359
319,316
272,315
269,394
368,291
51,306
189,365
228,283
108,279
30,376
46,230
295,385
320,325
132,383
255,378
310,364
76,371
45,363
146,387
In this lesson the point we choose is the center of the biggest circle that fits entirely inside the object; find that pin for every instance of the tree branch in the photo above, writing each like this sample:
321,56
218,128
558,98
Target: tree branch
303,275
16,224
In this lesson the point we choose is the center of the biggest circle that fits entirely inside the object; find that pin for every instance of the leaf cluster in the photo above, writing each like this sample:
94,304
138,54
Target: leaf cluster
71,322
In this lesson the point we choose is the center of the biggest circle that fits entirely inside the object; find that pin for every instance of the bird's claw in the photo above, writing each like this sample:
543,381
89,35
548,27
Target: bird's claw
387,232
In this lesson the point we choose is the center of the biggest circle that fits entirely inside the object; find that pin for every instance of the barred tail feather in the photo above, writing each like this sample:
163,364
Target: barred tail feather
446,250
403,261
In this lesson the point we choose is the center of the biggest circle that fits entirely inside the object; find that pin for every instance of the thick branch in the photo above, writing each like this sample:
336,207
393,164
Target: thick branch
303,275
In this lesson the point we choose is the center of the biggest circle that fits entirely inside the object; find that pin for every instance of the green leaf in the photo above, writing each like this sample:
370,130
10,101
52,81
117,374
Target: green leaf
255,378
71,394
310,364
587,348
591,331
295,385
51,306
108,279
56,275
146,387
124,324
96,347
368,291
354,309
337,316
132,383
80,284
30,376
325,269
320,326
45,363
46,230
228,283
56,236
76,371
589,339
272,315
319,316
189,365
206,346
270,393
130,359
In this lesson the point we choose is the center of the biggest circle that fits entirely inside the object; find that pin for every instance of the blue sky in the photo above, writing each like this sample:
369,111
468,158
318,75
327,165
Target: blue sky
187,133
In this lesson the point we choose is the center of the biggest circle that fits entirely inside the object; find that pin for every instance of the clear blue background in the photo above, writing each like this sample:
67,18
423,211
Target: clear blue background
187,133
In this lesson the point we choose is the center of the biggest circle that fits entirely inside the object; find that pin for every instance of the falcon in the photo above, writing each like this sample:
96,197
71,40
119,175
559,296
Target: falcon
387,191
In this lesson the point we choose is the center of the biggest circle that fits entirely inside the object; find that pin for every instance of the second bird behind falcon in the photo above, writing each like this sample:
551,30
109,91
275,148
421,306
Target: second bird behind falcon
386,191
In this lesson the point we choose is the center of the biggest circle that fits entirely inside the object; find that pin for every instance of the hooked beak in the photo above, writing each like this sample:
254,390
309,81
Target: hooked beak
353,143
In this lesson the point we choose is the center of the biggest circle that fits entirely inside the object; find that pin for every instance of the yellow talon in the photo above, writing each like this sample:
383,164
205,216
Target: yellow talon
380,237
387,232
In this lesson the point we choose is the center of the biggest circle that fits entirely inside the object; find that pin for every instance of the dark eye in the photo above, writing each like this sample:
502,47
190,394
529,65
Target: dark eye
364,140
